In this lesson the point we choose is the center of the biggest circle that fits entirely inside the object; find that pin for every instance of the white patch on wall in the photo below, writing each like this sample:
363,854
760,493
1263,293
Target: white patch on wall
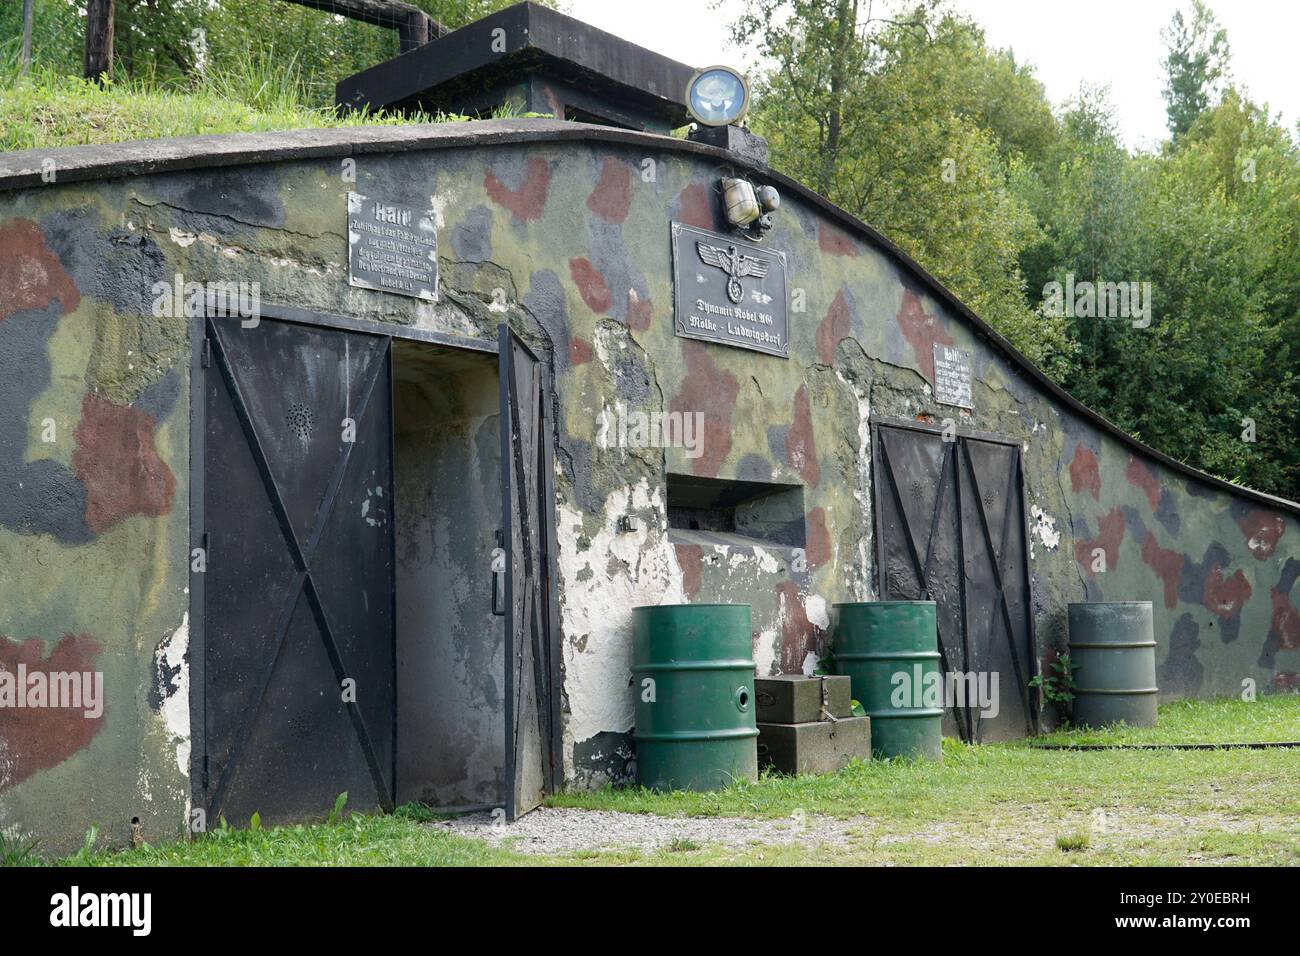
598,611
810,663
767,562
438,204
815,607
1043,527
182,238
766,649
860,582
169,658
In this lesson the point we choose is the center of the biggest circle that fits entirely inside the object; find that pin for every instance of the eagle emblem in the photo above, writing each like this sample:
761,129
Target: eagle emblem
735,264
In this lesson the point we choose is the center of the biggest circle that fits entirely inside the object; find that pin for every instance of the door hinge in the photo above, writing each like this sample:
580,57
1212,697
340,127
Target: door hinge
205,355
205,771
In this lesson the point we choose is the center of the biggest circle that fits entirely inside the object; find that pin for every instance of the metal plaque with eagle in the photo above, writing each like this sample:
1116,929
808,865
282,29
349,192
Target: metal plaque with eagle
729,290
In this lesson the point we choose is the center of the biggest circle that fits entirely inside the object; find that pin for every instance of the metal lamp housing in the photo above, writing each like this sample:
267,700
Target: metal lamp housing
717,96
740,202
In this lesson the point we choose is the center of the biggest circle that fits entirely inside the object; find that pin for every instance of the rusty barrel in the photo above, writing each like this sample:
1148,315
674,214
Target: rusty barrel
1113,650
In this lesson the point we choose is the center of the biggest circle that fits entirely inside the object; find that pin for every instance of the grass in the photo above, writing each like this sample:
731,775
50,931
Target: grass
1073,842
403,838
984,805
1267,719
259,93
49,111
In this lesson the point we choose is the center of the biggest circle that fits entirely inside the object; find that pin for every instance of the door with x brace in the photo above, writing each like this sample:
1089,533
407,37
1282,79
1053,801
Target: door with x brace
299,640
950,528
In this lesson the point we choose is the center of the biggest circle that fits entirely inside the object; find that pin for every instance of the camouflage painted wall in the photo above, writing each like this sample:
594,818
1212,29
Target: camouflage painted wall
569,241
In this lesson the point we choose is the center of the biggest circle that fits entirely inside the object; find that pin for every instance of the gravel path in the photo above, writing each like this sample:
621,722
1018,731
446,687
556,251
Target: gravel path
548,830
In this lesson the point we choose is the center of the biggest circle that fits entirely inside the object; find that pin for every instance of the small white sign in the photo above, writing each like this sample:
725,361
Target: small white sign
952,376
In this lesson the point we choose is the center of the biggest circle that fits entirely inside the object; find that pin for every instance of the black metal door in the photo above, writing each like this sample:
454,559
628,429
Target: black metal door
951,528
532,712
299,640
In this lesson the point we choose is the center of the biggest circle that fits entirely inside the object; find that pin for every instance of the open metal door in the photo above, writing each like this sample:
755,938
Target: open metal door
531,632
299,675
951,528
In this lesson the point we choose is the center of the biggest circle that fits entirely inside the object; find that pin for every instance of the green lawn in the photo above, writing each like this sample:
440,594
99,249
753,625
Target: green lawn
47,110
1273,717
988,805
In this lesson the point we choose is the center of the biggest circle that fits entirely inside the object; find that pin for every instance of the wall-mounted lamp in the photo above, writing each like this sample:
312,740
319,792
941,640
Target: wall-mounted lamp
748,209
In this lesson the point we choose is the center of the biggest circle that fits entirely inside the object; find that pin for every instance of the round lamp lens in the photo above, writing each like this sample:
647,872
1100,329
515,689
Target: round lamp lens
717,96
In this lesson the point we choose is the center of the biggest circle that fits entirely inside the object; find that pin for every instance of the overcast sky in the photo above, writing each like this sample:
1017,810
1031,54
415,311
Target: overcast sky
1114,42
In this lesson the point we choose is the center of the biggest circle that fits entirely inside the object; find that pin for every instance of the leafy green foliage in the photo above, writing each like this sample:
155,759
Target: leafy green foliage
952,150
50,109
170,43
15,851
1196,59
913,125
336,815
1059,686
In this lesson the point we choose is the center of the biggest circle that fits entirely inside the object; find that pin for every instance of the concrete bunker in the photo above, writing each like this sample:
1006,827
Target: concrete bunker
796,500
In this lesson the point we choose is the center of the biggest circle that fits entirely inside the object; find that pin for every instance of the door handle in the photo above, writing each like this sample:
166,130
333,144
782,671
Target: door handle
499,582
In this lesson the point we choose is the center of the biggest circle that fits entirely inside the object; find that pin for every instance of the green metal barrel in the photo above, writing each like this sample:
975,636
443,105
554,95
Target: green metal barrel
890,651
694,680
1113,650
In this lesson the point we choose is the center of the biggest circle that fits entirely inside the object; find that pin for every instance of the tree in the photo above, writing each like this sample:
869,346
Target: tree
909,122
1196,61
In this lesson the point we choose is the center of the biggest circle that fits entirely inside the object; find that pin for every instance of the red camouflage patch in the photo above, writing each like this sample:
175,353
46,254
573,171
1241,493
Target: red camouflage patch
690,558
528,201
31,275
591,285
800,445
116,461
834,327
818,551
579,351
693,207
1109,537
1084,473
835,241
639,311
38,738
922,332
1286,620
1167,564
799,636
1225,597
711,390
612,197
1263,530
1142,478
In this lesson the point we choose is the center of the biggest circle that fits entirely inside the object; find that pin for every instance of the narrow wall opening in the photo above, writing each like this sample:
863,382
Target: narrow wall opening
755,512
450,650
